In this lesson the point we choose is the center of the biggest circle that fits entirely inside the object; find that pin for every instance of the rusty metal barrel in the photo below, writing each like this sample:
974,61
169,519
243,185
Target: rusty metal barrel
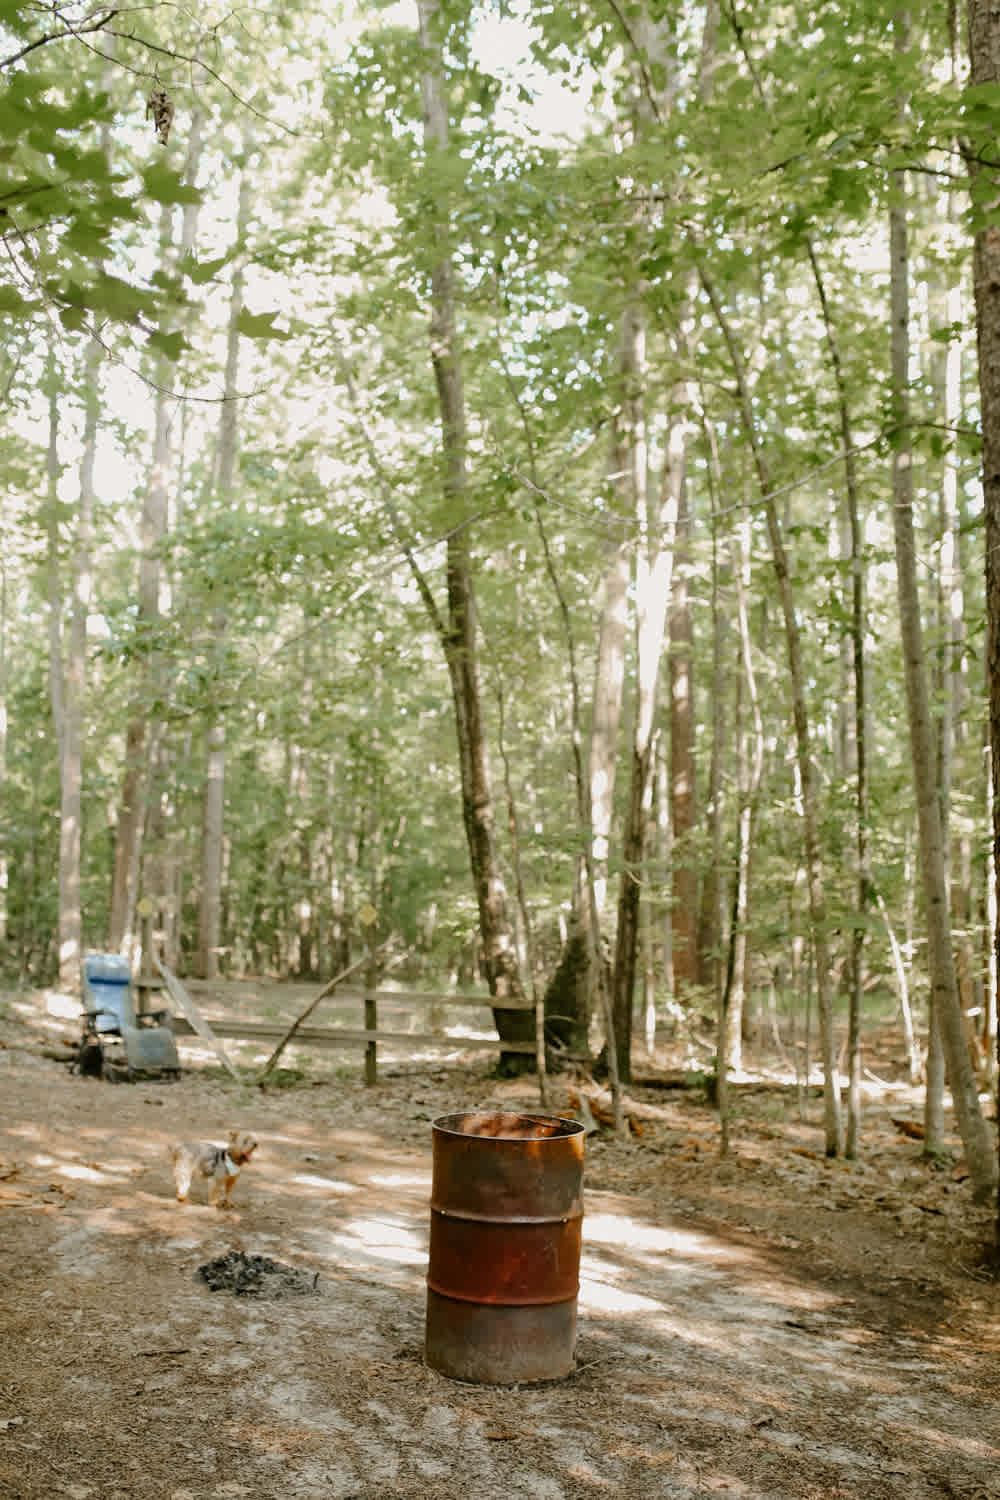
504,1266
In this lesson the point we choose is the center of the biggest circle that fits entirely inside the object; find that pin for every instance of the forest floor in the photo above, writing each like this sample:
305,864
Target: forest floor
768,1325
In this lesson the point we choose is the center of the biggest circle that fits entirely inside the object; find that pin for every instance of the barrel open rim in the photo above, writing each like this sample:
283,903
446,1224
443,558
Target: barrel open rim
512,1125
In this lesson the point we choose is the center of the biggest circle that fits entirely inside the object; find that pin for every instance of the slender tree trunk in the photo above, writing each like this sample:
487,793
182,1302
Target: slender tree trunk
683,804
609,682
945,1004
902,991
857,642
664,838
459,637
514,831
814,863
141,733
74,687
568,1002
213,805
654,572
984,53
749,790
4,872
713,905
629,474
990,905
56,603
953,689
153,528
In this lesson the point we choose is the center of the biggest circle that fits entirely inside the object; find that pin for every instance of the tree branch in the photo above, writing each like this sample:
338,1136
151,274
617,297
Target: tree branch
58,36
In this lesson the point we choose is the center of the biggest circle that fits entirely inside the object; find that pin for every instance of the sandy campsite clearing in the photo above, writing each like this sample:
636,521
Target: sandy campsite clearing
769,1326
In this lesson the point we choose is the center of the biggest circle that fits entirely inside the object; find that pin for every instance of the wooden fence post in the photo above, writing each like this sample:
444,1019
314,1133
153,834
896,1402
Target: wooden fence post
144,911
367,916
327,989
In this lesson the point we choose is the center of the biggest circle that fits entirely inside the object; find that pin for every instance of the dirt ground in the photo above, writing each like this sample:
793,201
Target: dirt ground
771,1325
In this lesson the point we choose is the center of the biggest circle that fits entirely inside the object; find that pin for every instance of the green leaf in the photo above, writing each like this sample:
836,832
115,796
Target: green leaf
259,326
171,345
167,186
11,300
201,271
72,318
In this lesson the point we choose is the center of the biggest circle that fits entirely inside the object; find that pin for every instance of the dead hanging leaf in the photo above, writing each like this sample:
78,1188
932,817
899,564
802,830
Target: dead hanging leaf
909,1128
160,106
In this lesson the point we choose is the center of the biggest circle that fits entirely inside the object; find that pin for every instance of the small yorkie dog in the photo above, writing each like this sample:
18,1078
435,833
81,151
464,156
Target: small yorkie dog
220,1164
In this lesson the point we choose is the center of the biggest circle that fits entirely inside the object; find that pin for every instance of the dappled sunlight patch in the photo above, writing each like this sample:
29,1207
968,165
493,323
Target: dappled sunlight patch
325,1184
792,1296
598,1295
933,1438
104,1174
83,1173
386,1240
65,1007
361,1140
303,1137
110,1221
621,1232
421,1180
47,1010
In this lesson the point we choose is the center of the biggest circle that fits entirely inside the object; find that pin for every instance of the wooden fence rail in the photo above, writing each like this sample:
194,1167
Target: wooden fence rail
370,1034
333,1036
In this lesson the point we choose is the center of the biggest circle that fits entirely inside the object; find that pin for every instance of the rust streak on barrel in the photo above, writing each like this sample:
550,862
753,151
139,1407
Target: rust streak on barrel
503,1272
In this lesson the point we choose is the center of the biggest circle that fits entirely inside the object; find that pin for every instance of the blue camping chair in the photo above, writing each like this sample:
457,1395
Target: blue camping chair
117,1042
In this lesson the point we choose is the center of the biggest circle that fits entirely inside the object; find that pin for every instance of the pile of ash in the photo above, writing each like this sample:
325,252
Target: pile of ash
257,1276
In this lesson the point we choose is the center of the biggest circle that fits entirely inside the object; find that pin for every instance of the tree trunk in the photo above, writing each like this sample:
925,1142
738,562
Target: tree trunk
683,794
4,873
609,686
749,778
140,734
984,53
945,1005
810,818
712,933
857,644
74,688
628,472
213,806
459,636
653,578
